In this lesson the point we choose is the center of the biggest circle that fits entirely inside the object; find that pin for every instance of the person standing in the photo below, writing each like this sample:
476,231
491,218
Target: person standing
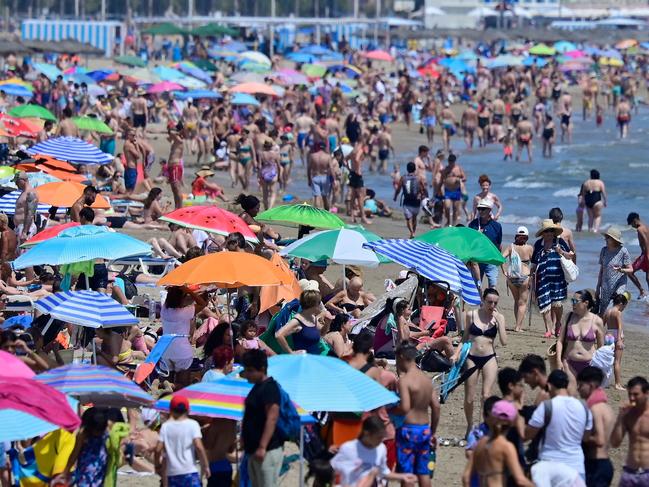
485,224
175,163
268,173
133,156
599,468
26,205
414,190
623,117
633,418
518,257
453,178
419,404
261,441
594,198
642,262
181,441
613,325
614,267
319,171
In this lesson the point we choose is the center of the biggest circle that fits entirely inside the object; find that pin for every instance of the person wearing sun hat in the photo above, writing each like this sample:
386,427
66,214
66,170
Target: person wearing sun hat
201,188
551,288
614,267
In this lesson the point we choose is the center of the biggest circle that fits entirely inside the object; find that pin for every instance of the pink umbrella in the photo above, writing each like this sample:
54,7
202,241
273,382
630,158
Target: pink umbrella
11,367
291,77
574,54
253,88
165,86
378,55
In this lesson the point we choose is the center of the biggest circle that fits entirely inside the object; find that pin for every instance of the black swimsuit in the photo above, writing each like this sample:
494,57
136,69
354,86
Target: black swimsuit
479,360
592,197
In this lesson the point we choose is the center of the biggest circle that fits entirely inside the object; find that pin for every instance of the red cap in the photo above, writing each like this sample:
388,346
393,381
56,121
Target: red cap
236,128
179,404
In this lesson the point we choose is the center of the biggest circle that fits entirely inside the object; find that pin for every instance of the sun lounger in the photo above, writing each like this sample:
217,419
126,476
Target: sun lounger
142,263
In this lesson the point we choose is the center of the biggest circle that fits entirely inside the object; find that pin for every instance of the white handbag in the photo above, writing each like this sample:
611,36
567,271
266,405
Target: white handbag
570,269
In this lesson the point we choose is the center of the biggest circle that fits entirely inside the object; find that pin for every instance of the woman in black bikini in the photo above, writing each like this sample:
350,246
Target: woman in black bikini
548,136
593,196
481,328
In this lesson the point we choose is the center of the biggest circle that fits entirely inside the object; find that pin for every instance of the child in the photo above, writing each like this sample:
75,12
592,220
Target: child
249,339
508,145
599,115
373,207
396,176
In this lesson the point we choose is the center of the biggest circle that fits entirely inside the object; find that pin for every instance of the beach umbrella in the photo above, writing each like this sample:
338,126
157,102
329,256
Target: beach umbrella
612,53
564,46
314,70
321,383
542,50
130,60
349,70
192,70
225,270
46,162
29,409
534,61
32,111
100,74
165,29
92,124
164,87
86,308
96,384
8,204
432,262
291,77
211,219
16,90
256,57
49,70
36,179
301,57
7,172
96,90
213,29
253,88
611,61
482,12
465,243
66,193
80,244
378,55
18,127
198,95
315,49
245,77
12,367
71,149
301,214
573,66
49,233
205,65
271,295
244,99
340,246
166,73
575,54
17,81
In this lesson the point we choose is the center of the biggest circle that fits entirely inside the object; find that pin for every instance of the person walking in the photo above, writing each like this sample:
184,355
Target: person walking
613,325
518,257
486,224
614,267
414,190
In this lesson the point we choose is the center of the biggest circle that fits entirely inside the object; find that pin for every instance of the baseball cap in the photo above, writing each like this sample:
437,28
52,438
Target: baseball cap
504,410
522,231
485,203
179,404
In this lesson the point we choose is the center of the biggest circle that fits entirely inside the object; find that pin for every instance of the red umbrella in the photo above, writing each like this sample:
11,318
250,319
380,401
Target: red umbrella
48,233
378,55
211,219
17,127
428,71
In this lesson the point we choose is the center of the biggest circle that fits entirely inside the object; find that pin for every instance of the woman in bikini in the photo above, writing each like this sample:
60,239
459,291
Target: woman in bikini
593,197
482,326
247,156
304,328
519,259
351,300
613,322
268,173
582,334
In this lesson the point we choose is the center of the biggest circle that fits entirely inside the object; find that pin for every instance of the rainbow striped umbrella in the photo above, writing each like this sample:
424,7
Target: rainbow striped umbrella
96,384
223,398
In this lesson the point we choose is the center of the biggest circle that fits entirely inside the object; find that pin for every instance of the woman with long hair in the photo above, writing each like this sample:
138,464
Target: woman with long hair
613,323
518,258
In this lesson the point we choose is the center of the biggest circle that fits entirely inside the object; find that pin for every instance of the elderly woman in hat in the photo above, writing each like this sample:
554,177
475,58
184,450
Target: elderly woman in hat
614,267
551,288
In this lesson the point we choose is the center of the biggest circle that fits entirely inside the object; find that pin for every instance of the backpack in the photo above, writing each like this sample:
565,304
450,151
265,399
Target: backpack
130,289
288,421
515,265
411,190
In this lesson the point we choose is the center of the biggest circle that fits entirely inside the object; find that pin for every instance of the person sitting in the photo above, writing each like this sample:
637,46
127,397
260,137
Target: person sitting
304,327
115,349
351,300
249,339
203,189
338,336
220,365
373,207
179,243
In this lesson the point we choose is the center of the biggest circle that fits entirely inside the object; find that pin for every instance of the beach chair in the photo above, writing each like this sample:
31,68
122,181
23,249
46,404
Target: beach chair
144,263
144,370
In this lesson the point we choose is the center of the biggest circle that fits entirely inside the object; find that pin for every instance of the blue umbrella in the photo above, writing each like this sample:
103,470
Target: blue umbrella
16,425
431,262
195,71
244,99
534,61
100,74
564,46
168,74
80,244
614,53
71,149
315,49
49,70
8,204
86,308
16,90
198,94
331,57
320,383
301,57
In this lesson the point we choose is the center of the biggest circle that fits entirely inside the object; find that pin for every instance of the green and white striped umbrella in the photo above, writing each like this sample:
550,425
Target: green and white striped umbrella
341,246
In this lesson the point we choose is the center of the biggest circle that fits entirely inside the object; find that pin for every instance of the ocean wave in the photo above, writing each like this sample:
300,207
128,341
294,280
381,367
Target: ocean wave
526,183
520,220
566,192
638,164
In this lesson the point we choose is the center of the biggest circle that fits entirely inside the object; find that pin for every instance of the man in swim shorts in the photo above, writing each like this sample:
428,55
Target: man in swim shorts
319,173
452,179
642,262
133,156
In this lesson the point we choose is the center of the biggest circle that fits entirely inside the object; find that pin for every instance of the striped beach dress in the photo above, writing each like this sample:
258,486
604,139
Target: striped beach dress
551,286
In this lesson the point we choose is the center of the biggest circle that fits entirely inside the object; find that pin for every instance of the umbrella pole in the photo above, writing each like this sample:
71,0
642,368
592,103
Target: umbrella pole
94,351
344,281
301,455
227,306
87,282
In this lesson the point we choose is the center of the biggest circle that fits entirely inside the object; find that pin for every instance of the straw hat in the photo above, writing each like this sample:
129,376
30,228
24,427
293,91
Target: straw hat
205,172
549,225
615,234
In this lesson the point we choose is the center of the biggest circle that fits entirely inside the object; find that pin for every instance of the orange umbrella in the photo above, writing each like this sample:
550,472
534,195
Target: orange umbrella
271,295
54,163
226,270
57,173
65,194
49,233
254,88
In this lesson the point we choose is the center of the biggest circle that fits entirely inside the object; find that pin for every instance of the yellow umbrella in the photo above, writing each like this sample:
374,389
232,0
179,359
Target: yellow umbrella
611,61
17,81
626,44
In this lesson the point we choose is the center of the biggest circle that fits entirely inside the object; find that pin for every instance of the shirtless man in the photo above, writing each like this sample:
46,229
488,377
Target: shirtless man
448,121
67,127
524,136
148,159
332,125
175,163
642,262
8,241
565,110
599,469
484,120
232,140
140,111
384,142
452,179
87,198
498,109
420,406
26,205
303,123
469,124
190,118
319,173
356,183
422,162
180,241
633,418
220,126
132,155
623,117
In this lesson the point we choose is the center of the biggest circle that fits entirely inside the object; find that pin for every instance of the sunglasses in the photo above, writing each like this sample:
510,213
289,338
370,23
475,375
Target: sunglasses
576,301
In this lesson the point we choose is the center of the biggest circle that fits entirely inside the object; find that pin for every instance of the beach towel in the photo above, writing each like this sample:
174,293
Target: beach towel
454,379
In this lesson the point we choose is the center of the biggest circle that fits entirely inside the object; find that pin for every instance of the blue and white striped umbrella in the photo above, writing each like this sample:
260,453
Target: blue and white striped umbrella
86,308
431,262
8,204
71,149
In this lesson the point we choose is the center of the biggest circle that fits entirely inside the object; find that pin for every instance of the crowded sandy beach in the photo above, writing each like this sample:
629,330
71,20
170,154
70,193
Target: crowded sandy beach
329,266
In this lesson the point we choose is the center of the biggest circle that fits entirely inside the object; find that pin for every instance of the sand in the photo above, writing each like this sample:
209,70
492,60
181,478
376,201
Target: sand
450,460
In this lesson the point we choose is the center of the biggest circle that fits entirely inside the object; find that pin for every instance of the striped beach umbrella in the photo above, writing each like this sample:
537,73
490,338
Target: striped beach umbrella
432,262
71,149
8,204
86,308
223,398
95,384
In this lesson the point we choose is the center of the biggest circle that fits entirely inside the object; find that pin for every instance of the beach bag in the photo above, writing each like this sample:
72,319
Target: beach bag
130,289
570,269
515,265
433,361
288,421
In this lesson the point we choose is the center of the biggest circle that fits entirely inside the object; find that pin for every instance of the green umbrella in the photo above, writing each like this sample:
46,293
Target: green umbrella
32,111
131,61
205,65
165,29
213,30
314,70
465,243
92,124
301,214
543,50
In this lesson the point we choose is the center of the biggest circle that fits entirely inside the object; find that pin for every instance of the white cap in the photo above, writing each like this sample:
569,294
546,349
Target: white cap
309,285
522,231
485,203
